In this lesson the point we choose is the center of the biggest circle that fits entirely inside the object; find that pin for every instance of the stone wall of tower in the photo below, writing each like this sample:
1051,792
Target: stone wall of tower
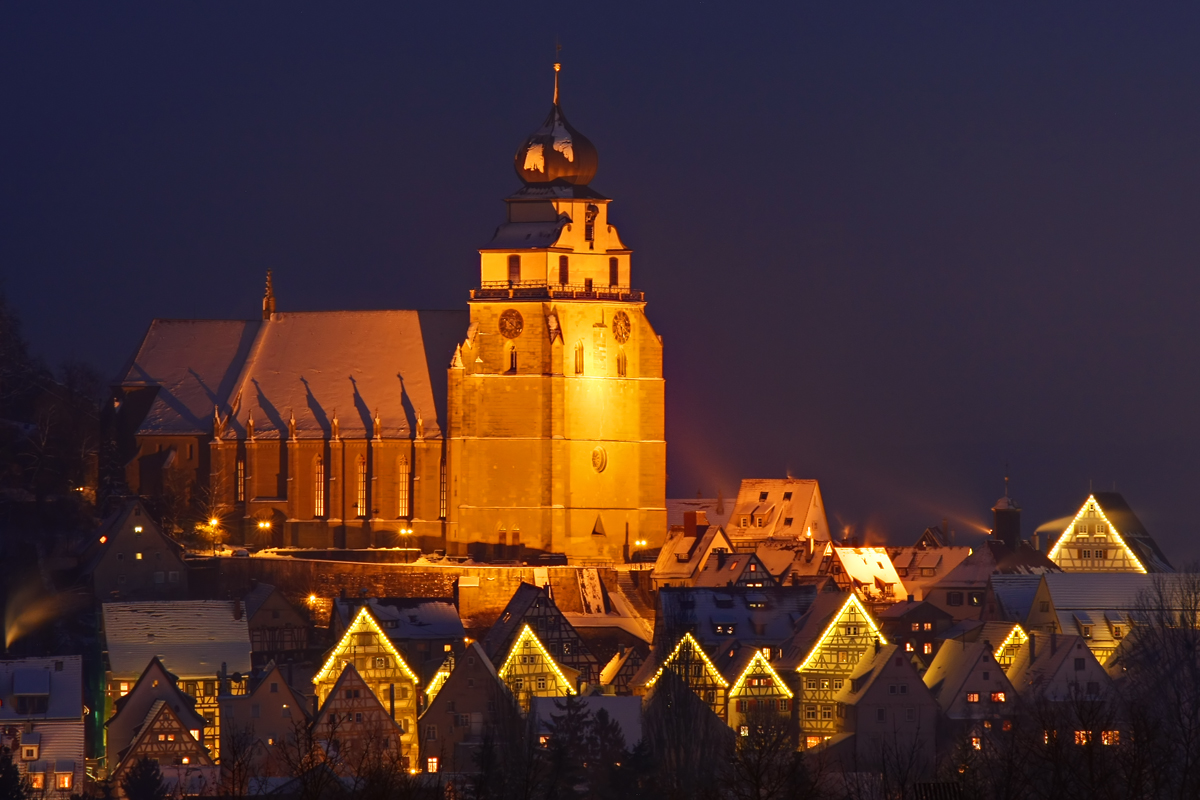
548,450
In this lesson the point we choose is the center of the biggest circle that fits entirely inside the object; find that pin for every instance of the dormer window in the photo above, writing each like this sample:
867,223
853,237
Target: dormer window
29,750
787,522
743,522
787,496
762,497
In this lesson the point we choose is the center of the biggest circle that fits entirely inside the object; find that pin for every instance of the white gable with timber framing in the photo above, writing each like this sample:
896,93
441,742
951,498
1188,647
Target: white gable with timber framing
848,635
530,671
1106,536
690,663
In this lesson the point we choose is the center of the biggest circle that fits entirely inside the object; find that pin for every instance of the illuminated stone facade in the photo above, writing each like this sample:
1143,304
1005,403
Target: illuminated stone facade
336,428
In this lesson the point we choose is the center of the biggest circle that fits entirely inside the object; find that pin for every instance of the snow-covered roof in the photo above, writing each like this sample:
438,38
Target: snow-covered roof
1015,594
870,567
194,363
58,678
406,617
191,637
767,615
311,364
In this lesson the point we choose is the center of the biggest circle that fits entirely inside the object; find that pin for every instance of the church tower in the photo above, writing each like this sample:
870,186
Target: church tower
555,397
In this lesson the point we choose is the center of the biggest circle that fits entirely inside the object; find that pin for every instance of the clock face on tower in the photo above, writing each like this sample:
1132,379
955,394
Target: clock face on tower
511,324
621,327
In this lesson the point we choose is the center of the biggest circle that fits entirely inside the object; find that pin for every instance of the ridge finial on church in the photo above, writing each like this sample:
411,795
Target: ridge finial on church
378,425
334,427
269,298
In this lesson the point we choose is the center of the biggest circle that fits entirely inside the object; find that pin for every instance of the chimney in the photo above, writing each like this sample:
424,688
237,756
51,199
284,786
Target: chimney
721,555
689,523
910,598
877,645
701,521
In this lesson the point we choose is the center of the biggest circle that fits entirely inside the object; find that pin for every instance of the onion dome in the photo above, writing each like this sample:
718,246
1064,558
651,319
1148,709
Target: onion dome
556,151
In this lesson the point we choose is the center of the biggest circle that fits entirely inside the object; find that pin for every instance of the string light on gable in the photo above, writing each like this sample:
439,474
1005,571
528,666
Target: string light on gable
363,623
527,635
760,662
1016,636
832,628
436,682
695,648
1112,529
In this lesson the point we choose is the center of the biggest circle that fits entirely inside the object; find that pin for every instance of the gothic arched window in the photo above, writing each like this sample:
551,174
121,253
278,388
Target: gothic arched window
403,476
512,358
319,487
360,505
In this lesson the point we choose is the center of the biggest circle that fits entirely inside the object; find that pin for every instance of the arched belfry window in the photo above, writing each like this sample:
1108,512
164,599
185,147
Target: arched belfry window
514,268
579,358
512,359
360,504
564,270
621,364
403,477
614,272
319,487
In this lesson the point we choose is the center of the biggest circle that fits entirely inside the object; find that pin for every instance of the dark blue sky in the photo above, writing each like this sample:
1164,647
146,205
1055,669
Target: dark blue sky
892,246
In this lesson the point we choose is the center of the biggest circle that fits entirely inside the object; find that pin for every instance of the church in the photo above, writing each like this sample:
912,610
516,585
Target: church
531,423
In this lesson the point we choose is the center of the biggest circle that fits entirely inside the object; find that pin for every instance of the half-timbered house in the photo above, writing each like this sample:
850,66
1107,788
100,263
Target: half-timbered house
688,662
262,720
1105,535
457,719
379,665
755,688
132,703
278,632
184,762
529,670
357,731
835,636
533,606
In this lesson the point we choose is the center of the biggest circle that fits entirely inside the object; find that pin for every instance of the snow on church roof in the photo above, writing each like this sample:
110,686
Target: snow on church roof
310,364
194,363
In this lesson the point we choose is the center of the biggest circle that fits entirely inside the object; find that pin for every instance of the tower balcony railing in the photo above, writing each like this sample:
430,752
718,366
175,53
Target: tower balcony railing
544,290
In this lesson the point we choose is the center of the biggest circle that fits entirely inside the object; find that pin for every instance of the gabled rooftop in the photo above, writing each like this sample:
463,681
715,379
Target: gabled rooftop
192,637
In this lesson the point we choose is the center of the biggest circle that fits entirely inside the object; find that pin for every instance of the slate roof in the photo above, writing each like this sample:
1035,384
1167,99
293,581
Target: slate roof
406,617
681,556
721,570
870,568
1014,594
781,612
311,364
63,686
775,509
191,637
864,674
951,668
194,363
1037,673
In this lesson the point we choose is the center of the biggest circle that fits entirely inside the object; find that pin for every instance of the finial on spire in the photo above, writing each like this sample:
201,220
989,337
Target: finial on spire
557,69
269,298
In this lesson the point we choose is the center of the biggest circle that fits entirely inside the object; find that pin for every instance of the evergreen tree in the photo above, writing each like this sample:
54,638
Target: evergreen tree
12,785
567,747
144,781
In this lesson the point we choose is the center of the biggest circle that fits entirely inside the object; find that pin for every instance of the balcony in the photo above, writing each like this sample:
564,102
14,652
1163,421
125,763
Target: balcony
541,290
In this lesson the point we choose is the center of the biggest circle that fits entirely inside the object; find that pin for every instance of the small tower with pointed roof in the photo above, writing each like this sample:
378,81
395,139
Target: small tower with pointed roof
1006,520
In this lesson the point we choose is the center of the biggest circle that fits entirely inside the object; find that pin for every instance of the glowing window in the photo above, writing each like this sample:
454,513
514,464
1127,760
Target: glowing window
972,697
403,477
124,689
442,490
239,481
360,505
1110,737
63,780
928,649
976,743
137,556
1083,737
319,487
431,764
997,697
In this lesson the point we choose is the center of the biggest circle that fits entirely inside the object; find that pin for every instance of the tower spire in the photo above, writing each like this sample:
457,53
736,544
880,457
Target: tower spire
557,68
269,298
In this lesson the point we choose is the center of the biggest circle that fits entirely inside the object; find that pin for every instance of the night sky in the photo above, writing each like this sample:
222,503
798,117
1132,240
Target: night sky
892,246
